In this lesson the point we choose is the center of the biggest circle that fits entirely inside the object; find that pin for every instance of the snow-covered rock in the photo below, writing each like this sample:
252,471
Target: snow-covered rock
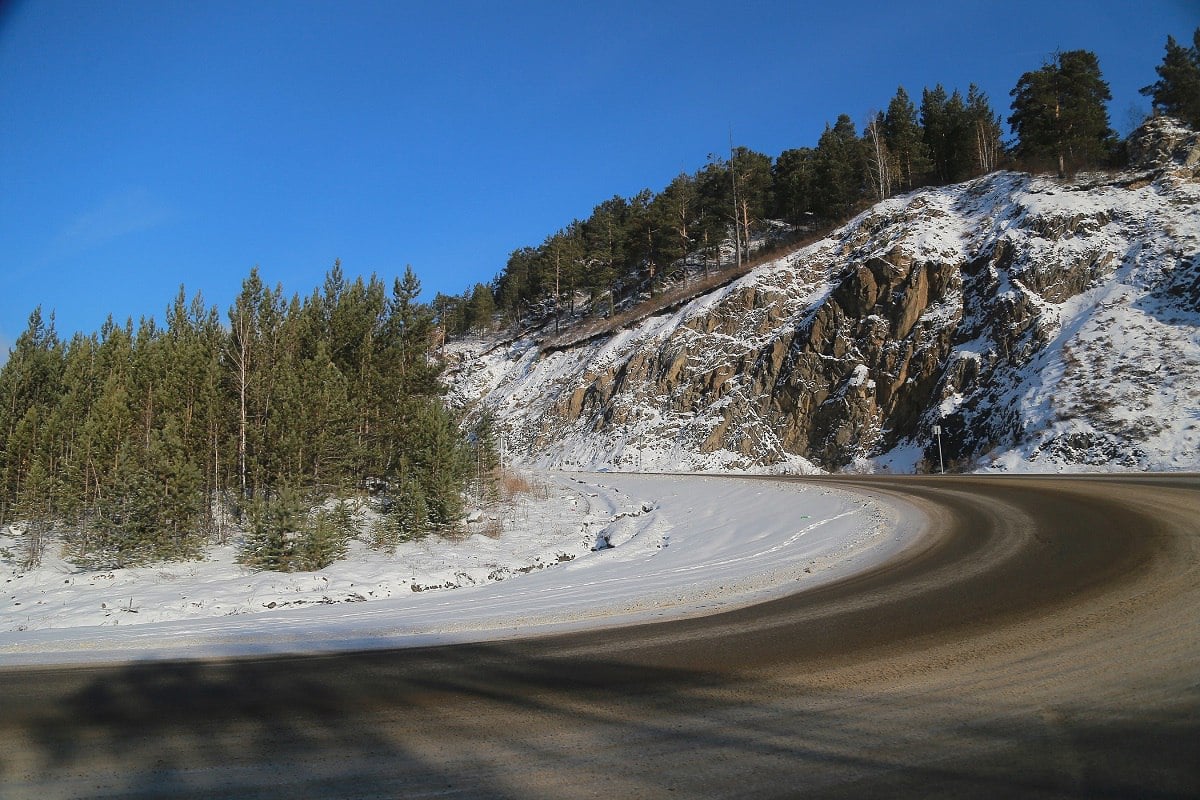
1044,324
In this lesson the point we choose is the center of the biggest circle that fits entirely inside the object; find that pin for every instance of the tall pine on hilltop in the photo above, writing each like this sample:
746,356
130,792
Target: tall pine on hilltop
143,443
1059,113
1177,90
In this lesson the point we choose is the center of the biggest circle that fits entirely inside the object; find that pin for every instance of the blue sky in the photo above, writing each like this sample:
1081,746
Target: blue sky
149,143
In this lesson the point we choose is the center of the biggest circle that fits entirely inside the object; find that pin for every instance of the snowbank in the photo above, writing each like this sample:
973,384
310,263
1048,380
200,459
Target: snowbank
677,545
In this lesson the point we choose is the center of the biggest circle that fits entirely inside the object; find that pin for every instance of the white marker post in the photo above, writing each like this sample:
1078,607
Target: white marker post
937,431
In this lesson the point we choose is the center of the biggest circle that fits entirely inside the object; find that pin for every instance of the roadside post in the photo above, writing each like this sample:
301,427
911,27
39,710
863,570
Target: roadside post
937,431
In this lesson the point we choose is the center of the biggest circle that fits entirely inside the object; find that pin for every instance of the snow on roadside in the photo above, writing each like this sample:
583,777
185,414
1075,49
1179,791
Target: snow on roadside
676,545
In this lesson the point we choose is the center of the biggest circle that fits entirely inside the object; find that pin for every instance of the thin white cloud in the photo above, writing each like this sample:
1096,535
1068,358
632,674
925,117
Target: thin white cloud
119,214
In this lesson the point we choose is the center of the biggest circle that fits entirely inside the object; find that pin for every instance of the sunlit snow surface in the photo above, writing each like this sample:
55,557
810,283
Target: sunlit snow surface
681,545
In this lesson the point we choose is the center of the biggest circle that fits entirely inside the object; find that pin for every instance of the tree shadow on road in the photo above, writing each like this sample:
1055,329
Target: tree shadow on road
518,721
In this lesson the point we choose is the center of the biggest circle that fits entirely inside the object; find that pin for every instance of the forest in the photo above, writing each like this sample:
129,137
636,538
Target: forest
276,420
630,247
146,443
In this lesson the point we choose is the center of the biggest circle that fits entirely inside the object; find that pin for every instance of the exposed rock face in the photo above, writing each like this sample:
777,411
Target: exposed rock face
1165,144
971,306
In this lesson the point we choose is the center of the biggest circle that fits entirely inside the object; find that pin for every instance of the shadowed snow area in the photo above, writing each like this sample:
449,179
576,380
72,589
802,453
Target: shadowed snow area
594,550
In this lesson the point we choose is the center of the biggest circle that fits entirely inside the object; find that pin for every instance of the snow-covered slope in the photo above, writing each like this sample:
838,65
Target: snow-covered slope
676,546
1044,324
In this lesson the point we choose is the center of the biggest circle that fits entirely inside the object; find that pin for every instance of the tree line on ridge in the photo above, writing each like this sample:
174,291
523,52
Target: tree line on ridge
707,219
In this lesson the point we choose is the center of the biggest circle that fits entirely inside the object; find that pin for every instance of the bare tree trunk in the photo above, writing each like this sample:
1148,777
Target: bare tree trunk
985,143
650,256
746,226
682,230
881,172
737,237
241,358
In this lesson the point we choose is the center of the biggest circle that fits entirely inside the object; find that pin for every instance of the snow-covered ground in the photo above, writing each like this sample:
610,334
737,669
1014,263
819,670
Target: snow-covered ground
678,545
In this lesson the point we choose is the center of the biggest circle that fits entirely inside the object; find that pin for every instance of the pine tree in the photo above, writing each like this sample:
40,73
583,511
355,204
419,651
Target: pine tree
29,384
276,526
604,248
80,388
905,139
752,175
135,442
34,508
840,169
717,223
642,257
949,135
324,539
794,176
1177,90
482,307
674,212
1059,113
408,517
562,255
440,462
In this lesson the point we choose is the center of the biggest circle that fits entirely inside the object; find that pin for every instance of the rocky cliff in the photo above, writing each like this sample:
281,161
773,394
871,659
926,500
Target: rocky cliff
1043,324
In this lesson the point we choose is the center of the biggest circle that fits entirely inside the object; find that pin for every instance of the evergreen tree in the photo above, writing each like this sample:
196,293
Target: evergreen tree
674,211
640,234
29,383
440,463
794,177
1059,113
752,175
276,526
1177,90
718,222
561,257
949,135
324,539
604,249
905,140
840,169
135,443
514,285
481,309
35,509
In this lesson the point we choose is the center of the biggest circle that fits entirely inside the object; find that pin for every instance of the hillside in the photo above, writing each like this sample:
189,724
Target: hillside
1044,324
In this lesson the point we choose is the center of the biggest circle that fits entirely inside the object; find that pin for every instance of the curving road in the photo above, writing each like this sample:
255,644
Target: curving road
1043,641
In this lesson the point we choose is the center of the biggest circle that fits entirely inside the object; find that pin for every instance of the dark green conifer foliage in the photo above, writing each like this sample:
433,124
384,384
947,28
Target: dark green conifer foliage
29,384
948,135
1177,90
35,507
142,444
324,540
481,309
1059,113
841,168
905,140
604,248
795,184
276,523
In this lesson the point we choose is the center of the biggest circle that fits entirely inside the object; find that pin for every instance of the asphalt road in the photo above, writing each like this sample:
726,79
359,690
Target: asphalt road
1042,641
